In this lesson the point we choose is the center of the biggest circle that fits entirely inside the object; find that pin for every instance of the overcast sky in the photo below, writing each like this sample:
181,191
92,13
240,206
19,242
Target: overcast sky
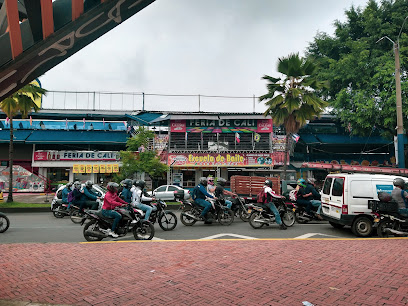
212,47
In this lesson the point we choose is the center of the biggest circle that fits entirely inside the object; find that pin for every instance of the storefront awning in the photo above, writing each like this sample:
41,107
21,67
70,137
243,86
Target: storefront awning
92,137
345,139
18,136
309,139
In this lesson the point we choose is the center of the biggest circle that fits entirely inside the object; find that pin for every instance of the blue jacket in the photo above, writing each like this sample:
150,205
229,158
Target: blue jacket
126,195
202,192
64,195
89,195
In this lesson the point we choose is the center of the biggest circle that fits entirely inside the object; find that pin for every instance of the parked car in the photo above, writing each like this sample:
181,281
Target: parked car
166,192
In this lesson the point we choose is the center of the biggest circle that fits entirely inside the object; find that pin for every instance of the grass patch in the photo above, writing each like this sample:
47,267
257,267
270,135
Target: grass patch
22,205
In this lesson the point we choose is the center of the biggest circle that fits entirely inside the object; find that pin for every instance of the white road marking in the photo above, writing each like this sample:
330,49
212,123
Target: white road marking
227,234
309,235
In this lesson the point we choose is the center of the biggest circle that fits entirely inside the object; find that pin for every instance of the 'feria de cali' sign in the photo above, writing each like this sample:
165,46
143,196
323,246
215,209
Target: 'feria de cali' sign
48,53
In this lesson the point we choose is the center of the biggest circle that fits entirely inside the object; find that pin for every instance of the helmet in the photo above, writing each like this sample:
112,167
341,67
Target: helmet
77,185
399,182
301,182
69,185
139,183
88,184
112,187
311,180
268,183
221,181
127,183
203,181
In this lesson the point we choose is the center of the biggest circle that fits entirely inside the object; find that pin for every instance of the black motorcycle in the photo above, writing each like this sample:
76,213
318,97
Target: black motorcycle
302,217
240,209
60,210
97,227
261,215
388,221
4,223
167,220
191,213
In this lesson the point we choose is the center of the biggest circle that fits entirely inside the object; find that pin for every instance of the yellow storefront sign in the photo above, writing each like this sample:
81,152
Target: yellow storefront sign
88,168
95,168
101,168
75,169
108,168
115,168
81,168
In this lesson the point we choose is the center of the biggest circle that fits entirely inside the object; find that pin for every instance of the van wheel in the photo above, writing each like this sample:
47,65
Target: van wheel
336,225
362,227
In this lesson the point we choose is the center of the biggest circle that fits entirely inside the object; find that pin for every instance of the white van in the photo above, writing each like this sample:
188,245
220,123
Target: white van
345,199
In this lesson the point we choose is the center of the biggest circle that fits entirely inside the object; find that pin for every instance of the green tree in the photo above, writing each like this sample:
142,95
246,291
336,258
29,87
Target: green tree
292,99
21,102
361,70
134,161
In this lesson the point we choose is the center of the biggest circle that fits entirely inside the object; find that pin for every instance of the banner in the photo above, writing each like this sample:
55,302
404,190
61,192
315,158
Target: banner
264,126
95,168
108,168
75,168
101,168
226,159
81,168
88,168
76,155
115,168
178,126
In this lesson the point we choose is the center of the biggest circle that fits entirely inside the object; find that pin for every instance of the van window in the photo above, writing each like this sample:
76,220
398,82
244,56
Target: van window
338,187
327,185
361,189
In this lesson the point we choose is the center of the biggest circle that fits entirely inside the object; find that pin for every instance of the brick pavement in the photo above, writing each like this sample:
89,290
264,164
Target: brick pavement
217,272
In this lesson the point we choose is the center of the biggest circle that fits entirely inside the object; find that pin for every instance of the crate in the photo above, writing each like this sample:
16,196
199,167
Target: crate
380,206
250,185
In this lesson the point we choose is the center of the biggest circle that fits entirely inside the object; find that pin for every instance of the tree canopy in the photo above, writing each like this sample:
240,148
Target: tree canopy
361,69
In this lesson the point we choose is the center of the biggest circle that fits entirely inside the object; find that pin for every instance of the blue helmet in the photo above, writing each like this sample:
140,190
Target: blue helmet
301,182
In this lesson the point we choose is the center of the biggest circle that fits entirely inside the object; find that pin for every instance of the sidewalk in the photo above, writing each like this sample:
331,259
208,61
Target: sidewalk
216,272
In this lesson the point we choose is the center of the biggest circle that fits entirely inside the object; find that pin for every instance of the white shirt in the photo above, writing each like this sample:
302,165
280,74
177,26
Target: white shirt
269,190
138,197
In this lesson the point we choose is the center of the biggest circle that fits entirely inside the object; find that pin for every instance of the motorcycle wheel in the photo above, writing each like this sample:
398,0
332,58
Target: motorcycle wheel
381,228
58,214
298,220
167,221
225,216
4,223
244,215
253,220
76,216
94,226
144,231
288,218
187,221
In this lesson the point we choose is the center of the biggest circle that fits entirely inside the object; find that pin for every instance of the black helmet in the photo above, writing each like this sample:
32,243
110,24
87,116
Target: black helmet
69,185
112,186
77,185
221,181
139,183
203,181
268,183
88,184
399,182
127,183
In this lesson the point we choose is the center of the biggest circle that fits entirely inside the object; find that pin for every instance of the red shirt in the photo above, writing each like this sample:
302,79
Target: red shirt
112,200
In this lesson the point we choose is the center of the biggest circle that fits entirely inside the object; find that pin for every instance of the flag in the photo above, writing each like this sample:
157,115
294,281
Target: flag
295,137
349,127
84,122
125,123
257,137
237,137
7,120
31,121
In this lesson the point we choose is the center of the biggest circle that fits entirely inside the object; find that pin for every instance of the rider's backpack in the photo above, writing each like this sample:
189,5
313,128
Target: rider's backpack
261,197
70,197
293,195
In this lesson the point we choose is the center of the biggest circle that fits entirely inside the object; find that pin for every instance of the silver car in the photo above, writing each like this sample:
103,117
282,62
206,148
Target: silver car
166,192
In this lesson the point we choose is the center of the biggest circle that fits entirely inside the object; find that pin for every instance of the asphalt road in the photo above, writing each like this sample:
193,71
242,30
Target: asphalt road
44,227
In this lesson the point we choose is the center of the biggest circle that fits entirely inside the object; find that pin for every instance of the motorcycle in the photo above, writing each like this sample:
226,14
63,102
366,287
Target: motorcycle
4,223
388,221
303,218
240,208
167,220
261,215
97,227
76,216
191,213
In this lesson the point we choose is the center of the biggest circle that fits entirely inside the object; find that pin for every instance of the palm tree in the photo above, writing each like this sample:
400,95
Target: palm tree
22,101
292,99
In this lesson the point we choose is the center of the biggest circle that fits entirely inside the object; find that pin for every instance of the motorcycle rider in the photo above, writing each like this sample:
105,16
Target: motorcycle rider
210,186
304,197
220,191
64,194
200,195
138,196
313,196
89,197
398,194
111,201
270,194
126,194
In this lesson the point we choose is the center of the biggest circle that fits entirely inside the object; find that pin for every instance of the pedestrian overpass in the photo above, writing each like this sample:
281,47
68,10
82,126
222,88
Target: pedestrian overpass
36,35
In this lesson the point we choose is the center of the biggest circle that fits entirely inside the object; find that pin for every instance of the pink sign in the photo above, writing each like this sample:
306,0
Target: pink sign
264,126
40,156
178,126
